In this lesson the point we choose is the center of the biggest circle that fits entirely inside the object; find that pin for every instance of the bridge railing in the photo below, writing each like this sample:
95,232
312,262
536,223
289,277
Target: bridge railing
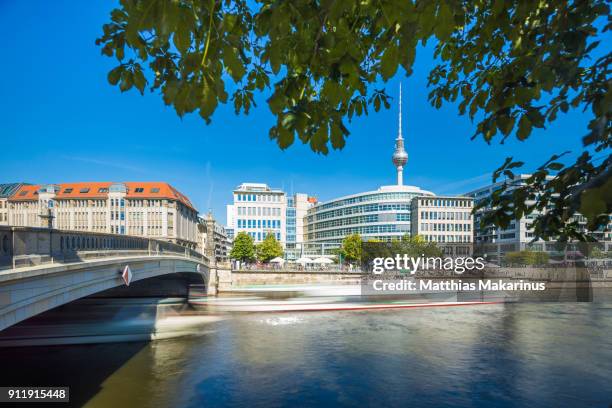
25,246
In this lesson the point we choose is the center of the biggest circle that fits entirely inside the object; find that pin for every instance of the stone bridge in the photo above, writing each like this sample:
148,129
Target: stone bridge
41,269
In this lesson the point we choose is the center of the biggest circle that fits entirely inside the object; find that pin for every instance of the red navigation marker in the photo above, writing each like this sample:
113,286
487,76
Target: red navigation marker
127,275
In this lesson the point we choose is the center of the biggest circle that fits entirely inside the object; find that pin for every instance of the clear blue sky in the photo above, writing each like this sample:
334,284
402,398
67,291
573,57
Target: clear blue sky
60,121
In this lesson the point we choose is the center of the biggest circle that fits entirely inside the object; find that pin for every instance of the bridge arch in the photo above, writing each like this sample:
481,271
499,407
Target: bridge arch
26,292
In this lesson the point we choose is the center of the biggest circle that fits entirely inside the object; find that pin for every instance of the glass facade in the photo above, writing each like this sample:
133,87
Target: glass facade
291,222
384,214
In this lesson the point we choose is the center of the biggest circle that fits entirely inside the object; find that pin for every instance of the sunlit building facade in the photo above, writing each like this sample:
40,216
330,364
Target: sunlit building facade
259,210
146,209
445,220
383,214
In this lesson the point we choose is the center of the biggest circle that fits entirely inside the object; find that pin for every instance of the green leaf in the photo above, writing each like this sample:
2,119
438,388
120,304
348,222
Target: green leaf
505,124
318,141
232,63
208,104
337,136
445,22
389,62
139,80
126,81
114,75
182,39
524,128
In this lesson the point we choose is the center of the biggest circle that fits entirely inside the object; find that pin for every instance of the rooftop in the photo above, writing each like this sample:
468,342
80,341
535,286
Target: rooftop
257,188
146,190
7,190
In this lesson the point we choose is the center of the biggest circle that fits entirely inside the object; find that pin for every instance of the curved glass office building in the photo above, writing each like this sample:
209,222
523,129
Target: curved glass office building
383,214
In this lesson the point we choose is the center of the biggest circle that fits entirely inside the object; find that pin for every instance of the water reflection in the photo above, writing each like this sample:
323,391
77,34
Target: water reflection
514,355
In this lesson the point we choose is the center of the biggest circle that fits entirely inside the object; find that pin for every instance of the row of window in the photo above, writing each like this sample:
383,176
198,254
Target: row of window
366,229
368,197
259,236
117,215
260,211
259,224
445,215
86,190
115,229
425,226
448,238
363,219
445,202
268,198
365,208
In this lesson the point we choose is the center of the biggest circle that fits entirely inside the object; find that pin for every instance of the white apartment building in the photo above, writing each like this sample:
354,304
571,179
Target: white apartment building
445,220
258,210
146,209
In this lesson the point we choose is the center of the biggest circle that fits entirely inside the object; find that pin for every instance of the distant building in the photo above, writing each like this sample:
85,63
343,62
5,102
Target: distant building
230,233
383,215
221,242
260,210
297,207
146,209
495,242
446,221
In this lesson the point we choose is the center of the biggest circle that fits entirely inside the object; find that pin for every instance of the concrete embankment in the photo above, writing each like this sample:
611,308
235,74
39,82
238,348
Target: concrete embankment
234,280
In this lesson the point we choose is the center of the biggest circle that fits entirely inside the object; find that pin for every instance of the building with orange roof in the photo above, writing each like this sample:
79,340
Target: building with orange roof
147,209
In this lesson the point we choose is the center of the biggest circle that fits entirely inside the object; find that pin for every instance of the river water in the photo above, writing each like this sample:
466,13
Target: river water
513,355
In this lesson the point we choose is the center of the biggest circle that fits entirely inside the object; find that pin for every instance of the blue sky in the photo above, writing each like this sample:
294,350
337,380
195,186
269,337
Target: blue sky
60,121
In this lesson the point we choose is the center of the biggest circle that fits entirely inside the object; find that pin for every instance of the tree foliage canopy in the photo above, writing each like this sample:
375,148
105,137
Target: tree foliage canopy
351,248
243,248
269,249
415,246
511,66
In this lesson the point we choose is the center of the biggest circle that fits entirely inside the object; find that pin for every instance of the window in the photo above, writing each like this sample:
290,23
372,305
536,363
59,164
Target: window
155,190
103,190
23,193
139,190
84,190
68,191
